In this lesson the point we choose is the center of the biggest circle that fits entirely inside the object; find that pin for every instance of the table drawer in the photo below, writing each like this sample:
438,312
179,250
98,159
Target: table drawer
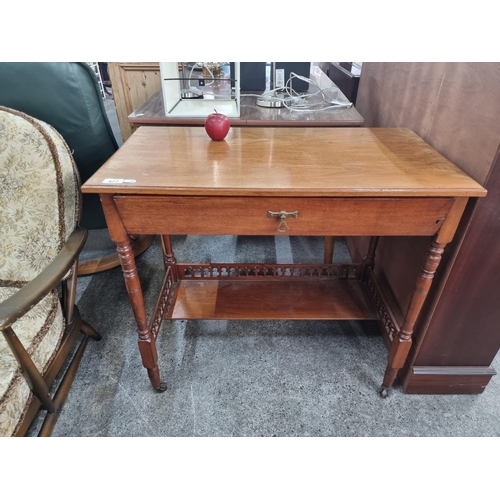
250,215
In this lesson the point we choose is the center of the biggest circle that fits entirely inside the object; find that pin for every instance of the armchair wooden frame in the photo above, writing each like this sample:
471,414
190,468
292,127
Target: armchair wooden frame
62,269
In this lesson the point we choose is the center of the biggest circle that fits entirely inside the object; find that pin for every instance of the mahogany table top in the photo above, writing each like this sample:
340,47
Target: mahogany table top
274,161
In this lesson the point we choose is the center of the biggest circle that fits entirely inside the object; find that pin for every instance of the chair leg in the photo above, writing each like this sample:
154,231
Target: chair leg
328,251
65,385
34,378
63,391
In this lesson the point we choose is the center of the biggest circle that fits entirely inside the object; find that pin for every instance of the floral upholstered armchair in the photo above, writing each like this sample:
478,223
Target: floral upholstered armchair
40,241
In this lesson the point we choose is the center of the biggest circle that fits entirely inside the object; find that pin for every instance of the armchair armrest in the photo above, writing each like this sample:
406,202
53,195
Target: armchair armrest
22,301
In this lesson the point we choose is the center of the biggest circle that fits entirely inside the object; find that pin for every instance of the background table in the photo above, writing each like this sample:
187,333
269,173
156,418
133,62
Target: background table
152,112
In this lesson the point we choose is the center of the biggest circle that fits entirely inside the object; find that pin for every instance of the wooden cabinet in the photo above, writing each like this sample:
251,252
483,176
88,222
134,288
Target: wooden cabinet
455,108
133,83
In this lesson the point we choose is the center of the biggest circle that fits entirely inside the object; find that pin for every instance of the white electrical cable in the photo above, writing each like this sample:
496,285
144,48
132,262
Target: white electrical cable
295,101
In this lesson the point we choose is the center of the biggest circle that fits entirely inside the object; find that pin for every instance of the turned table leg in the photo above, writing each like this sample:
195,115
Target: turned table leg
402,341
328,249
146,341
169,260
369,260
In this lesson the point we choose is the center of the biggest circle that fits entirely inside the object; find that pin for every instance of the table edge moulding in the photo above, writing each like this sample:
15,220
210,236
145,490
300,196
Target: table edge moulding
273,181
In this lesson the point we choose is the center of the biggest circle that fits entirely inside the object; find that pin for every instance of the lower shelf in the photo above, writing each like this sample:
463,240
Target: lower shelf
272,300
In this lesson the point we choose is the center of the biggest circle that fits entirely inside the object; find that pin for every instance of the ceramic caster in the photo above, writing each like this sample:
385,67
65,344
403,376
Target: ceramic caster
162,387
383,391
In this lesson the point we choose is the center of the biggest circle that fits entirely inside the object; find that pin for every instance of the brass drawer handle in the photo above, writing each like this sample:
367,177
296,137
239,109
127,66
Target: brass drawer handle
282,226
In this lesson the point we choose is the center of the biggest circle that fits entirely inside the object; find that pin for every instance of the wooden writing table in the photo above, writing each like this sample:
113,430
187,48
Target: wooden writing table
272,181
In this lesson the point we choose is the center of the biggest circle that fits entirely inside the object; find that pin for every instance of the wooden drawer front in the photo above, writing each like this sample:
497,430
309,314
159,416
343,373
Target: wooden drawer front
249,215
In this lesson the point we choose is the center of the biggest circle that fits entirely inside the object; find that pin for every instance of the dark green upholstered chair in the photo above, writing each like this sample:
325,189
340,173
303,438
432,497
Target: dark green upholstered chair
66,95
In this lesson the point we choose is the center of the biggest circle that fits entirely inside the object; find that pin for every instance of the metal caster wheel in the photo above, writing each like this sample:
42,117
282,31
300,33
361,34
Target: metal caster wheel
162,387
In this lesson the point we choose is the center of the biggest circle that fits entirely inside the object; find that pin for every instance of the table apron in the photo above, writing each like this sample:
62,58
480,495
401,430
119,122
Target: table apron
354,216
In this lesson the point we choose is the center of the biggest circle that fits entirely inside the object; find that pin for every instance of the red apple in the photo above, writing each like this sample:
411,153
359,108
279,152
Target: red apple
217,126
